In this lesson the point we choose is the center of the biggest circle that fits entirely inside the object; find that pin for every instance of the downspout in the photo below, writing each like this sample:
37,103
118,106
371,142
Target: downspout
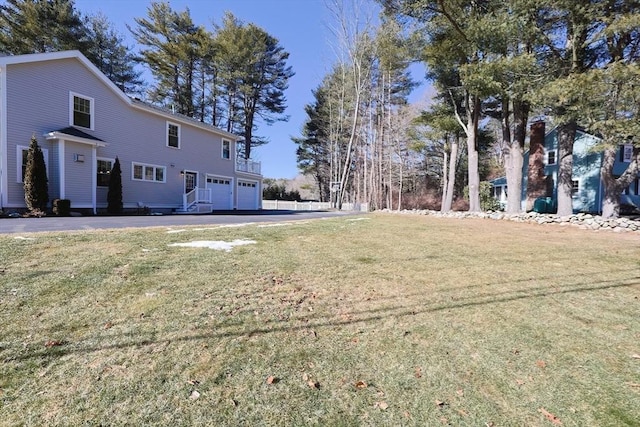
61,168
94,178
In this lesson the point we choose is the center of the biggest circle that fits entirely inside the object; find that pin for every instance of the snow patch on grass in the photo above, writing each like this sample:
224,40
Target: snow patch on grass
357,219
236,225
170,231
24,238
215,244
282,224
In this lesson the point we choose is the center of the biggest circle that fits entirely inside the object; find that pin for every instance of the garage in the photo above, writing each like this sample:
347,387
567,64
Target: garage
221,192
248,195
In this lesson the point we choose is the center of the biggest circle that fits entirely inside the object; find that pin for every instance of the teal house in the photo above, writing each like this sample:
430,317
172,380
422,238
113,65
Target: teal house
540,174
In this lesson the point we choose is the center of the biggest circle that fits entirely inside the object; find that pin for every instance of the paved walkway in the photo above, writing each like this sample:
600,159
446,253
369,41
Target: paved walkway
34,225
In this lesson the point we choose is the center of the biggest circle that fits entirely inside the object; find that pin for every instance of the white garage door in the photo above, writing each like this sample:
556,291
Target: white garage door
247,195
221,192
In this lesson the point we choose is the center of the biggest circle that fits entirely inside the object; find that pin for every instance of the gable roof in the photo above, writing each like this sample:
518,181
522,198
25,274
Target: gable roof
75,54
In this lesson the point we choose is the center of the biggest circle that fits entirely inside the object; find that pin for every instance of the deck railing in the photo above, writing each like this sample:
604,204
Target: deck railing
249,166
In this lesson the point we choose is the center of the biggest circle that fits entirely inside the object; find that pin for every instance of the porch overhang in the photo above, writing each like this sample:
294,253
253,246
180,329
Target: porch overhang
71,134
74,135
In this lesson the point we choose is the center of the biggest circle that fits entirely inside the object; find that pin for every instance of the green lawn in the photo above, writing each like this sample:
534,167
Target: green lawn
384,320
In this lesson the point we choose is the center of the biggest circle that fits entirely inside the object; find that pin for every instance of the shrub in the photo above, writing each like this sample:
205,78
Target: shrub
424,199
114,196
487,201
61,207
36,186
274,191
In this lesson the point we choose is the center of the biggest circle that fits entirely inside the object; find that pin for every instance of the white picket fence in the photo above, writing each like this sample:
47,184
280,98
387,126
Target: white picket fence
310,206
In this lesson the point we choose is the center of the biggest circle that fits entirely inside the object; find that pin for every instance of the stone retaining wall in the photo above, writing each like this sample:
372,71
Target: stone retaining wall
583,221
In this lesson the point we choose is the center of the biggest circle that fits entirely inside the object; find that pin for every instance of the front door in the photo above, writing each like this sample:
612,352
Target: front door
190,181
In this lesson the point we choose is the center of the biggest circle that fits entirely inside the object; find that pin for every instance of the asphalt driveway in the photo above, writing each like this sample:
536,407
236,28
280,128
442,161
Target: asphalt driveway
34,225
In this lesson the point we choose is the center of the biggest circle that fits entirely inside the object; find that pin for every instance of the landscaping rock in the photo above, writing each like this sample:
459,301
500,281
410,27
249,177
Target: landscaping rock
582,221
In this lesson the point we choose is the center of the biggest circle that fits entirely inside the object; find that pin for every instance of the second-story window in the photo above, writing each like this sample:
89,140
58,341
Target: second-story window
173,135
626,153
226,149
551,157
81,111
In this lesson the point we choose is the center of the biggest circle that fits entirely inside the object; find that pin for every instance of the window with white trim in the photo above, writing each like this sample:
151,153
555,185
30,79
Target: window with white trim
145,172
21,166
81,111
173,135
575,187
551,157
626,153
226,149
104,167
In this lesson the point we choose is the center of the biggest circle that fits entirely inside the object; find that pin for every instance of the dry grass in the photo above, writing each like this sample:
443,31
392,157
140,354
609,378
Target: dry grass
389,320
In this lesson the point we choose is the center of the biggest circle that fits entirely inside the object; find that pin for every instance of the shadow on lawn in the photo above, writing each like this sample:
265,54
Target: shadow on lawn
362,316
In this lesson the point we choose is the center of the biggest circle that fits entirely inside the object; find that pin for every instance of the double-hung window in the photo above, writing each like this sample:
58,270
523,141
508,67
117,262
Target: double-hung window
626,153
575,187
81,112
551,157
226,149
173,135
104,167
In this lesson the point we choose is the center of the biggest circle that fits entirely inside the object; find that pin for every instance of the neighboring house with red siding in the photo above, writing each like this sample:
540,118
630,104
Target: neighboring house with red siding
82,121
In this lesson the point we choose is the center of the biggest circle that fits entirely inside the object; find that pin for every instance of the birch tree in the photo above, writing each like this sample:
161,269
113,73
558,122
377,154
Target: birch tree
450,42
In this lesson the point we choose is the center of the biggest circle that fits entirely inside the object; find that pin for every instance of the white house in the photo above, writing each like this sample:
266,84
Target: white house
82,122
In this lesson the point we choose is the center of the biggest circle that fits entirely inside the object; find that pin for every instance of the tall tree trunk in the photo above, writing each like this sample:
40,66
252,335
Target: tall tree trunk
445,176
566,136
536,180
352,137
473,115
613,187
451,180
400,186
515,158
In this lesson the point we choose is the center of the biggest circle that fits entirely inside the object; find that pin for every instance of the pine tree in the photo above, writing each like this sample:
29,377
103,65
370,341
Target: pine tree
253,77
36,26
36,187
107,51
313,152
171,47
114,196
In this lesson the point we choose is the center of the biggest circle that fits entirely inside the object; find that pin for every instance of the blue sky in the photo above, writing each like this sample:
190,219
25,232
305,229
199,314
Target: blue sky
301,26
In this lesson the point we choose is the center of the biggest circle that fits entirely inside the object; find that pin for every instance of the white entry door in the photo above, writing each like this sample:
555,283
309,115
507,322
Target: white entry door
221,193
190,181
247,195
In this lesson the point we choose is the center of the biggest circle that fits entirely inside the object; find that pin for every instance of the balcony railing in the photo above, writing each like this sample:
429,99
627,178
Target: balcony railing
249,166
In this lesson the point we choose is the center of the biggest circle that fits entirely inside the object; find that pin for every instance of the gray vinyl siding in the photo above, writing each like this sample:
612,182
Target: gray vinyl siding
78,175
38,102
